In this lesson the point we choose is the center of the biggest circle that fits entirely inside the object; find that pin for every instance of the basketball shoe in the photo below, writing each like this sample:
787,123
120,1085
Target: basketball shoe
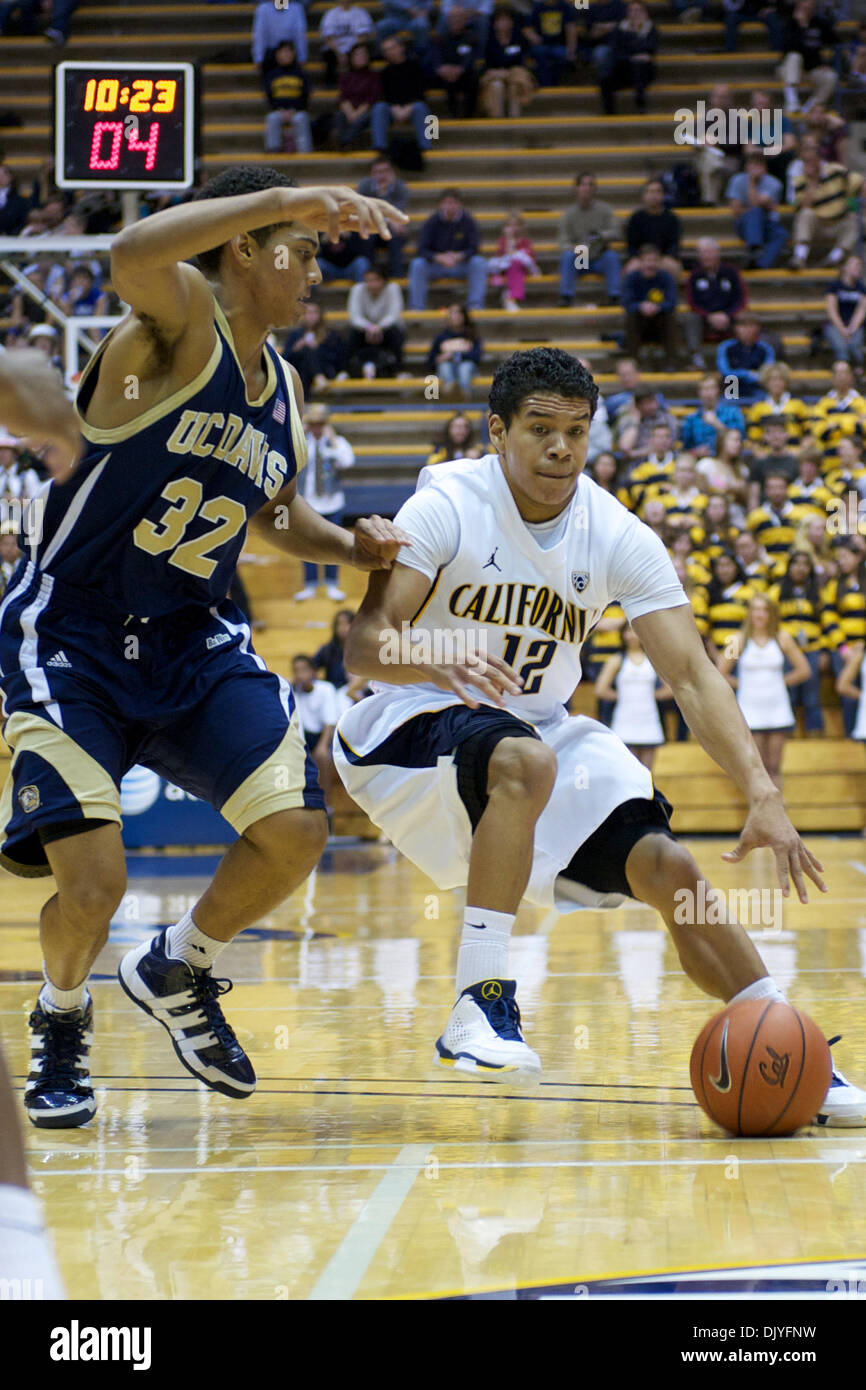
58,1093
482,1038
186,1002
845,1104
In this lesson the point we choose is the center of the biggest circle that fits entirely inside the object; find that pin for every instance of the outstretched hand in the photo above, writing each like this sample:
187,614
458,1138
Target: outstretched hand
377,543
767,824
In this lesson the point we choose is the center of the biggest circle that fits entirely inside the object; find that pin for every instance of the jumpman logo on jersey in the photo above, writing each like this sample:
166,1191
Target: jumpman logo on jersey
492,561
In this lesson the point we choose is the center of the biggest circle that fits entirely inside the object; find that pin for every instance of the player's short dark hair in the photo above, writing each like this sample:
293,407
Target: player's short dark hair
648,246
539,370
233,183
303,657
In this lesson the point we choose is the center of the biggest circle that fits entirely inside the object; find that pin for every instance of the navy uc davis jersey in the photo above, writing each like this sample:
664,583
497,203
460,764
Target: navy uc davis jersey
154,517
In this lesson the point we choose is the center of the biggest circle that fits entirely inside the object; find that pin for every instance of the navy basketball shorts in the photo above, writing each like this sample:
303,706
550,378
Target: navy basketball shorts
88,693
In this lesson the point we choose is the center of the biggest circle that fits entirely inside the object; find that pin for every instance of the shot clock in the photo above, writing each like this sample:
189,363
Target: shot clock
124,125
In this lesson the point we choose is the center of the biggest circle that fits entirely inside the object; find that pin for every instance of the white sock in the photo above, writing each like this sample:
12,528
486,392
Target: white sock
801,251
58,1000
792,100
835,255
28,1268
184,941
759,989
483,954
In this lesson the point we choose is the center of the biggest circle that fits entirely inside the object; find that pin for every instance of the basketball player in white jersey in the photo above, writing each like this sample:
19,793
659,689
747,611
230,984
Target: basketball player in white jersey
473,767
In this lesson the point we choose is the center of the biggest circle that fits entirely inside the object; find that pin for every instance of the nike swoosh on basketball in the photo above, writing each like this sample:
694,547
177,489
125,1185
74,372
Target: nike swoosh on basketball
722,1082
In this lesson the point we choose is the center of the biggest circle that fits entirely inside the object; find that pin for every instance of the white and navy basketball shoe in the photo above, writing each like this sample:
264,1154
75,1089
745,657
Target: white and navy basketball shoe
58,1093
482,1040
186,1002
845,1104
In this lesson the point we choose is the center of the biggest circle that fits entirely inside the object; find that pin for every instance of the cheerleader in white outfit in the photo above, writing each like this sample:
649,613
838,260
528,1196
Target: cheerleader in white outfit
759,651
630,679
854,670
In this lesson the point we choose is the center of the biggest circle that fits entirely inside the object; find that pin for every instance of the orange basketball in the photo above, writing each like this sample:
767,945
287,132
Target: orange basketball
760,1067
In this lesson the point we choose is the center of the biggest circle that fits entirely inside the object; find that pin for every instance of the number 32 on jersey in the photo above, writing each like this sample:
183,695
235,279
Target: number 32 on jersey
185,497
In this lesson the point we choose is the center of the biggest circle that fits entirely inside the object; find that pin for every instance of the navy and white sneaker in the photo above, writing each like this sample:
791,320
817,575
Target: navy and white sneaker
482,1040
186,1002
845,1104
58,1093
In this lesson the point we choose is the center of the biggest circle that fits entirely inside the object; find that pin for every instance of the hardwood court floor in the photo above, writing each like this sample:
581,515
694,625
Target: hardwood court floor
356,1172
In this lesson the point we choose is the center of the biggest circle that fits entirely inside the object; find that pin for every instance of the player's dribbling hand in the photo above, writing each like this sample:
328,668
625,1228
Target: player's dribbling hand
335,209
767,825
377,543
488,675
41,413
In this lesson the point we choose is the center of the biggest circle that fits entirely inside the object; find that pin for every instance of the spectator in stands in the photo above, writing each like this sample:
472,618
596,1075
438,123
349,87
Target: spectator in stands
513,262
776,382
410,17
375,329
607,472
9,553
506,82
654,223
821,195
628,375
754,197
360,90
841,412
341,28
455,352
317,352
478,15
273,26
702,432
449,245
774,521
767,139
601,19
457,442
454,57
830,131
772,455
552,37
753,561
44,337
635,42
807,37
403,86
317,711
636,423
83,296
586,230
857,60
717,530
846,309
329,657
716,294
728,597
655,474
737,12
649,298
743,355
287,125
726,470
18,478
600,433
845,614
320,485
382,182
13,207
344,259
718,160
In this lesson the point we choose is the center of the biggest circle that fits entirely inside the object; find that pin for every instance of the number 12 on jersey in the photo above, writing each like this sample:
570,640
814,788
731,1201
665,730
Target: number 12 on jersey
540,653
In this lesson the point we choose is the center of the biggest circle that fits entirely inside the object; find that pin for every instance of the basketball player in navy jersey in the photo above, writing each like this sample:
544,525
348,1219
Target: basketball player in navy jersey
117,642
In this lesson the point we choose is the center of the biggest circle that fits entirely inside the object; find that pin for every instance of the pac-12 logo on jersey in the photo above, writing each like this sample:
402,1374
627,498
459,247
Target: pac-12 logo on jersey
579,579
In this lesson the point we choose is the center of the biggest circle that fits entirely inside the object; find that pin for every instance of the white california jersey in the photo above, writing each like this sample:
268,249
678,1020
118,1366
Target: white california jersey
531,606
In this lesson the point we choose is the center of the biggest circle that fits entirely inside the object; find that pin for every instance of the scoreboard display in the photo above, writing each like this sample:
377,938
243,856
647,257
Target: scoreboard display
124,125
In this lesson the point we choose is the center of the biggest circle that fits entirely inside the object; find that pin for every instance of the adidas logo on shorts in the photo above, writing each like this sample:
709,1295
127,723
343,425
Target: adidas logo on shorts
60,659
